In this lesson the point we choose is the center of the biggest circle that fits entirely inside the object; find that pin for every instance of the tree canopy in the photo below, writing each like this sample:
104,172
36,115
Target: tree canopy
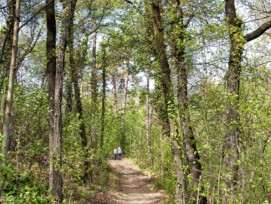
181,86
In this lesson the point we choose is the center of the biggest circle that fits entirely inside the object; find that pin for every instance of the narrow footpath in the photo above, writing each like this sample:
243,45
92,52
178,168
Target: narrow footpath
135,187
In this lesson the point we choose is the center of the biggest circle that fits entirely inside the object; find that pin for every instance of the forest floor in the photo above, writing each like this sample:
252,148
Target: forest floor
131,185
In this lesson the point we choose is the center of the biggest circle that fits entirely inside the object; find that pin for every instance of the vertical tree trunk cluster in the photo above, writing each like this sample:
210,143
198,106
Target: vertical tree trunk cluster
55,73
104,73
94,91
78,104
10,90
188,138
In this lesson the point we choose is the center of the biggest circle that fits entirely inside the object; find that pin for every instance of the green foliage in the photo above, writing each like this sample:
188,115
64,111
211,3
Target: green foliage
126,31
166,183
24,187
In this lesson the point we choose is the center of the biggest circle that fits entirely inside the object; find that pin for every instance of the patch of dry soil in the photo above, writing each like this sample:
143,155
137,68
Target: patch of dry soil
135,187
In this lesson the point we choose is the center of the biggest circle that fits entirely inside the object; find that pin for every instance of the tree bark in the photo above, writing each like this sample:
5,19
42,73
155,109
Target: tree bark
104,65
148,122
57,181
12,72
114,81
50,75
55,177
189,140
181,187
232,118
165,81
68,89
233,79
81,56
162,58
78,66
94,94
125,91
70,46
5,55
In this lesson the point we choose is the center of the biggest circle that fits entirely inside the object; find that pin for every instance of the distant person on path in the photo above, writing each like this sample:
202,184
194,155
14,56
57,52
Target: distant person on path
119,153
115,153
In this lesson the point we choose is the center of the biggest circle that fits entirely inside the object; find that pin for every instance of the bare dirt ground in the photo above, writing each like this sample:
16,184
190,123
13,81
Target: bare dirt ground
134,186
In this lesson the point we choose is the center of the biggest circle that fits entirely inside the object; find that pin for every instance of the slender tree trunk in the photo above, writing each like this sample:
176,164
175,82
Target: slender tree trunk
68,93
5,54
57,136
10,89
103,94
72,63
55,177
163,62
79,107
94,94
12,72
50,75
5,64
57,181
76,66
148,122
114,81
125,90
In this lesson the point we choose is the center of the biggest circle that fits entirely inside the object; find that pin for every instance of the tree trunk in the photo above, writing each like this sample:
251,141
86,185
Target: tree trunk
57,136
94,95
148,122
233,79
115,94
181,187
5,55
68,91
165,81
81,56
232,119
188,136
103,94
162,58
77,62
50,75
189,141
12,72
125,90
55,177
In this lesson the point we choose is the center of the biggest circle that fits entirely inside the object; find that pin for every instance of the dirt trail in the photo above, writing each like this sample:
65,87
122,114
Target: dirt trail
135,187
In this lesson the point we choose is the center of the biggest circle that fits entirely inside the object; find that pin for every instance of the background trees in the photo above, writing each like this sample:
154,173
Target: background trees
182,86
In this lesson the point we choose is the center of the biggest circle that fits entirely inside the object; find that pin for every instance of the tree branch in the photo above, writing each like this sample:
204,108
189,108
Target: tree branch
35,14
258,32
128,1
3,7
4,43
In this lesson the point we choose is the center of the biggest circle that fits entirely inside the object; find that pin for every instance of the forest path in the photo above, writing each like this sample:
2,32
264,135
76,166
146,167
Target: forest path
135,187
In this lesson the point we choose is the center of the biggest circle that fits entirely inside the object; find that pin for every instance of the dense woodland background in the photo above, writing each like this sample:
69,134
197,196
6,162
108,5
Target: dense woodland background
182,85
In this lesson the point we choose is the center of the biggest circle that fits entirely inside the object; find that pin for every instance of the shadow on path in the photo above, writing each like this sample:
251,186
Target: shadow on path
135,187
